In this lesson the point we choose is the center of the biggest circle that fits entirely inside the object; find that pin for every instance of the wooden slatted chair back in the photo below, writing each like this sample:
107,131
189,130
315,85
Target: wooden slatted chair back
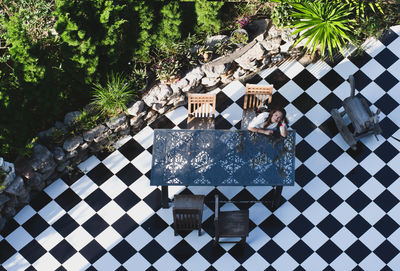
256,96
201,105
187,219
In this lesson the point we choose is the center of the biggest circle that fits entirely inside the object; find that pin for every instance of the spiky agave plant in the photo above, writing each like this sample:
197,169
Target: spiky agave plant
323,23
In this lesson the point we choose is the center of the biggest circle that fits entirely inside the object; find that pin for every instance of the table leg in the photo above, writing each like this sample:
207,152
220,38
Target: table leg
277,196
164,197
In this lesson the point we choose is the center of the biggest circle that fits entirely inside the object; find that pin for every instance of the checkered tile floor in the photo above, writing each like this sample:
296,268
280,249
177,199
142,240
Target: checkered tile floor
342,214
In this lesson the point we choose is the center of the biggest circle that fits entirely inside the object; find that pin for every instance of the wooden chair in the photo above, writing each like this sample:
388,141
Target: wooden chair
188,212
201,111
255,97
231,224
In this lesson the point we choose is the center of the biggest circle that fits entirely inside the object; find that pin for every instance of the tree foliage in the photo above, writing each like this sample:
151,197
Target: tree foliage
208,20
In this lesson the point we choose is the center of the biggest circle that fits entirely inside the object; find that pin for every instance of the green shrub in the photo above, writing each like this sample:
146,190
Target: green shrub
114,97
85,121
168,29
281,15
138,76
208,16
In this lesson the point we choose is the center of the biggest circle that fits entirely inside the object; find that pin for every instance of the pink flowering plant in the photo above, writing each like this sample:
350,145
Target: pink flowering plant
167,69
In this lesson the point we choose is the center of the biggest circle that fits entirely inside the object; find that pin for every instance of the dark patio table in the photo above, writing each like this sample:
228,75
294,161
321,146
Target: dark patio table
221,157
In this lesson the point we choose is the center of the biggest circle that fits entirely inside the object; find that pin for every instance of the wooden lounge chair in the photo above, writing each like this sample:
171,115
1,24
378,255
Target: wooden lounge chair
201,111
255,98
188,212
362,119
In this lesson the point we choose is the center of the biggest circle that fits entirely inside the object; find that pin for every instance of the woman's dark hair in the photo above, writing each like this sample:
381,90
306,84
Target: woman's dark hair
284,119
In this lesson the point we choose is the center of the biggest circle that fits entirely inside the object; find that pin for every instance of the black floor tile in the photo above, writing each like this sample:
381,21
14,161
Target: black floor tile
129,174
40,200
127,199
305,79
211,252
358,176
65,225
386,81
125,225
122,251
358,251
303,175
386,58
35,225
270,251
360,154
332,80
361,80
386,151
6,250
272,225
304,126
301,200
131,149
304,151
330,175
241,253
330,151
358,226
386,176
358,200
162,122
154,225
95,225
99,174
92,251
182,251
329,251
388,127
32,251
223,102
68,199
386,104
330,226
360,59
304,103
386,251
386,226
97,199
62,251
330,200
301,225
386,201
277,78
300,251
154,199
152,252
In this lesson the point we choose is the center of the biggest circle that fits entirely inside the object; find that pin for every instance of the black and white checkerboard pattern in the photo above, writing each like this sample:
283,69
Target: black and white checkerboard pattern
342,214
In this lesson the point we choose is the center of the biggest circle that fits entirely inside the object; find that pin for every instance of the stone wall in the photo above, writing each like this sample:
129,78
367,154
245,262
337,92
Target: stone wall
51,160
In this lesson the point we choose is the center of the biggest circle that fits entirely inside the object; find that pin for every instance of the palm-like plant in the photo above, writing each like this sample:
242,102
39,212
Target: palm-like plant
325,24
113,98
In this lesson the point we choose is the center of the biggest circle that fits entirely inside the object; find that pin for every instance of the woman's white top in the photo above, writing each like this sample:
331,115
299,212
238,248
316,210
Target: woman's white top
258,122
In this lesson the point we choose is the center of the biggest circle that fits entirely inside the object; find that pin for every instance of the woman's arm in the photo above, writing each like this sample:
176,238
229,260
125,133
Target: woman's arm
259,130
283,130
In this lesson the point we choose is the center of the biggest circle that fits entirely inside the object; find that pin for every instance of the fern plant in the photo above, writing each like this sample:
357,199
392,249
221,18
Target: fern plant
113,98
